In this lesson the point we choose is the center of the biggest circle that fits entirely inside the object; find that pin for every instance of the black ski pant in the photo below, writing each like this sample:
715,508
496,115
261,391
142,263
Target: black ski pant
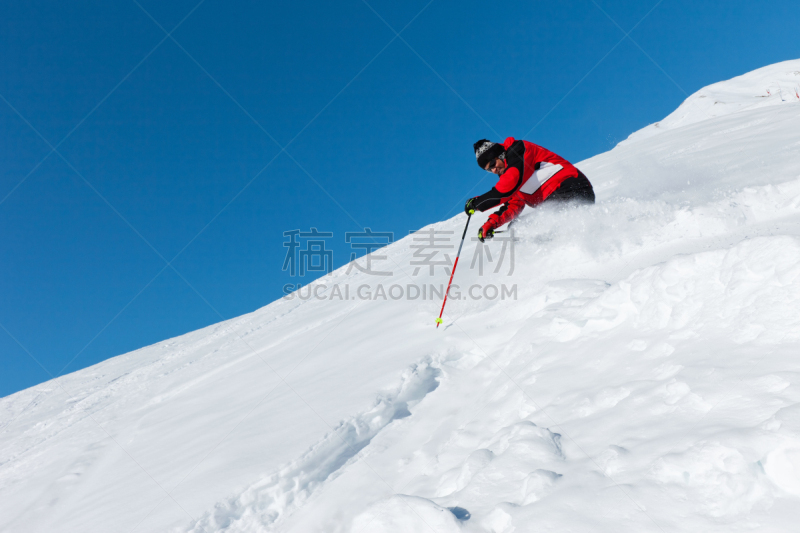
577,190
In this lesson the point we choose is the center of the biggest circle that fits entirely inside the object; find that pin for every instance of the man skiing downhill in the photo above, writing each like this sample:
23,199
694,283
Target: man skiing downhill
529,175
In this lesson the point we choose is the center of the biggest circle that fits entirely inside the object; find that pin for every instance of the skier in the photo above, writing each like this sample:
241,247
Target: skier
529,175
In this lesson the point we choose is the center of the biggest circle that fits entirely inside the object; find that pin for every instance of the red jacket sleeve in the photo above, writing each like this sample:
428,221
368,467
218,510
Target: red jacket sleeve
505,214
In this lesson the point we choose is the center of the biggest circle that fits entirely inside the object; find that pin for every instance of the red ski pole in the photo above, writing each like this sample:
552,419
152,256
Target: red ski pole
439,320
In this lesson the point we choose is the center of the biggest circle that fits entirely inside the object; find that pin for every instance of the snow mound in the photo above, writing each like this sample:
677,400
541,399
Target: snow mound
777,84
406,513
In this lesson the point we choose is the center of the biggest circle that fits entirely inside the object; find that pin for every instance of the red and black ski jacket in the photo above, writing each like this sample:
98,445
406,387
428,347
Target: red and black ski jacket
532,170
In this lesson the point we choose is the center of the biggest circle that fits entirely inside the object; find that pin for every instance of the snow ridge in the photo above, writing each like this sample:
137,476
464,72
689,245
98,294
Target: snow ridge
773,85
263,504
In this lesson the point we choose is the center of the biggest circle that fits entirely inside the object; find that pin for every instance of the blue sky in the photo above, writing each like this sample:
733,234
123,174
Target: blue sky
153,154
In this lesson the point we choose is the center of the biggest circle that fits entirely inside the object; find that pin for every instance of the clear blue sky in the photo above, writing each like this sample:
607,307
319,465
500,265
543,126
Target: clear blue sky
170,148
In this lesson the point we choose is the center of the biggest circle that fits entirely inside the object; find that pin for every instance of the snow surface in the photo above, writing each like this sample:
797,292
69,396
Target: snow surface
646,378
768,86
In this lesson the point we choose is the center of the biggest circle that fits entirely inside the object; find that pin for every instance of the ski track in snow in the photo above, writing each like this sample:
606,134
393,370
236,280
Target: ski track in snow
264,503
645,379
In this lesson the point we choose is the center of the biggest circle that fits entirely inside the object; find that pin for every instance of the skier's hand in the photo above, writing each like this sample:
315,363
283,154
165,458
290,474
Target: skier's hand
469,207
482,235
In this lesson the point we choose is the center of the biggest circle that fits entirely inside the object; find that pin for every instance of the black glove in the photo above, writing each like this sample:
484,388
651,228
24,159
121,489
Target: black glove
469,207
489,234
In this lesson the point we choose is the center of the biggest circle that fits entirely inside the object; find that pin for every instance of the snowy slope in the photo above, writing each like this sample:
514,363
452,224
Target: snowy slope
765,87
646,378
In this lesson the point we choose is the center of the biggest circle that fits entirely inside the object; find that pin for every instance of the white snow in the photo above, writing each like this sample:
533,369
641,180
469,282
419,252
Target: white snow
645,378
768,86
